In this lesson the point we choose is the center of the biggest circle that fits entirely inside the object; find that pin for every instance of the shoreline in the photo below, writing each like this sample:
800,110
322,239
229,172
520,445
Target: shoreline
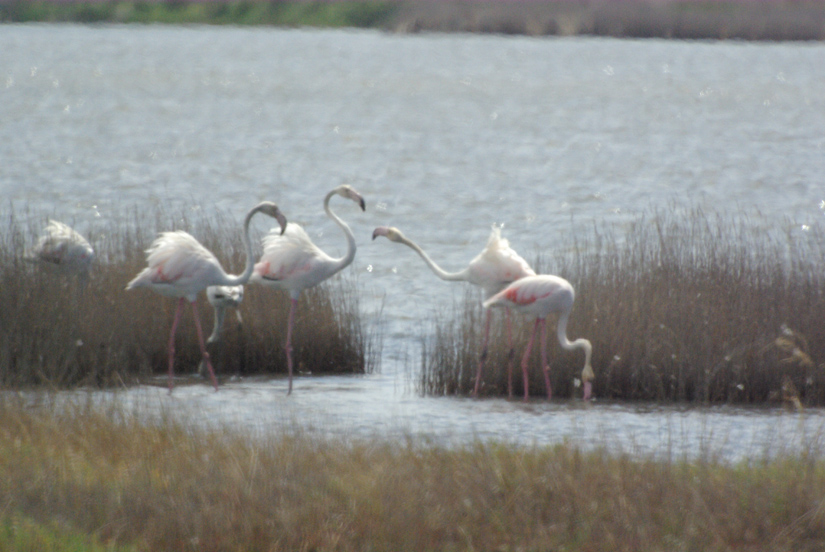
695,20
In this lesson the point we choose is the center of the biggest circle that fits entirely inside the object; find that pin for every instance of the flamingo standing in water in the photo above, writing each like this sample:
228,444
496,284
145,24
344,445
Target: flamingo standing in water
539,296
63,249
222,298
180,267
291,261
494,268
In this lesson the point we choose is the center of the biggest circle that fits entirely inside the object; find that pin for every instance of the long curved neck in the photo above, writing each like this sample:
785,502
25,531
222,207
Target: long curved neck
440,272
581,343
343,262
243,277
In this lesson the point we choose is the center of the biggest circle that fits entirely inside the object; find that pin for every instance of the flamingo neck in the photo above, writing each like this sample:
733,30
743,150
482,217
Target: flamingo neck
243,278
343,262
460,276
581,343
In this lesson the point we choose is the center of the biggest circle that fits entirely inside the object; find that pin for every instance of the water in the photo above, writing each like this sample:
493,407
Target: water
444,135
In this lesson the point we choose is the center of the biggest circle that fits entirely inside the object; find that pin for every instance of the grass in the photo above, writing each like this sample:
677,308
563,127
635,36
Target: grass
694,307
54,333
780,20
96,471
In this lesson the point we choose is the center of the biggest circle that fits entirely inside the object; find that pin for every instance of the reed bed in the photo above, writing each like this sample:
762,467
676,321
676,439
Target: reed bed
54,332
97,473
736,19
695,307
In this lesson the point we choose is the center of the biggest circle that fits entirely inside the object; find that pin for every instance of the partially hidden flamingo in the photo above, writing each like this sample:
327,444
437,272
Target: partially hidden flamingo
540,296
64,250
180,267
497,266
291,262
222,298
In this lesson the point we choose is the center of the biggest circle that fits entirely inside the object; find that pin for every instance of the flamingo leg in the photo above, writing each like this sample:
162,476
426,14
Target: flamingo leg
511,354
178,312
544,365
525,359
483,356
292,307
203,346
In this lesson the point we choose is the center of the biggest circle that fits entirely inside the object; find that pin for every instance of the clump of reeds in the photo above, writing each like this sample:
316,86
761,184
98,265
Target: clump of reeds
695,307
53,331
97,471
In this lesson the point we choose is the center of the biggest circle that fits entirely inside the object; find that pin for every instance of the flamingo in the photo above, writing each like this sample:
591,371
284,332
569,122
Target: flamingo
291,261
180,267
63,249
539,296
494,268
222,298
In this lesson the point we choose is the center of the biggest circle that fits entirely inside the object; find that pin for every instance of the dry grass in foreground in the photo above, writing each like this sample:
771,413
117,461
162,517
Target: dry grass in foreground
697,307
52,332
98,472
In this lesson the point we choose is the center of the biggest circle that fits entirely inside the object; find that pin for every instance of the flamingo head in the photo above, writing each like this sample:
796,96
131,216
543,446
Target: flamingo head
389,232
269,208
587,372
349,192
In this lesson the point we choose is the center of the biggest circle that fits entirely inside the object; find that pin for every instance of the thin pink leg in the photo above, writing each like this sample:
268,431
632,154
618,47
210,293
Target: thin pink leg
524,360
544,365
292,308
483,356
511,354
178,312
203,346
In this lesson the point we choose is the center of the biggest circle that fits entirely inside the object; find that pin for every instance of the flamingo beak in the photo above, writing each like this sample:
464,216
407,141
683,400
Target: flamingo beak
362,204
380,231
282,221
588,390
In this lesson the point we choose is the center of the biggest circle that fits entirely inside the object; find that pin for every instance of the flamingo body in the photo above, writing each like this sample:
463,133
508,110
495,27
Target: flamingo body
497,266
539,296
180,267
291,262
62,248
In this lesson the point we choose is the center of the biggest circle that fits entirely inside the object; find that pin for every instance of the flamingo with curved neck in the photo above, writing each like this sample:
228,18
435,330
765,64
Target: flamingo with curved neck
494,268
291,261
180,267
540,296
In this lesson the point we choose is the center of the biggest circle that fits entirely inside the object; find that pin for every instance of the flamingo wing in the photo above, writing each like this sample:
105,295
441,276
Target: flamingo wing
178,265
290,257
497,265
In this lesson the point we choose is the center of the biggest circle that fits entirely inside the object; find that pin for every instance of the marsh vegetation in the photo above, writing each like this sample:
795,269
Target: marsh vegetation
688,306
55,332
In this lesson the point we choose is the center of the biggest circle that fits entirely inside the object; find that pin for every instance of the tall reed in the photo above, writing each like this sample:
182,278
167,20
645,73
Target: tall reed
699,307
54,332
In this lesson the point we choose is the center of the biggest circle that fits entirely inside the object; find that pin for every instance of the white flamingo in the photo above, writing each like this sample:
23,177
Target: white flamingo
540,296
180,267
291,261
222,298
494,268
64,250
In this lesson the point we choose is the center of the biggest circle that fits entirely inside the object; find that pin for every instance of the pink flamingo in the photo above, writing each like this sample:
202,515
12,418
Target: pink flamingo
539,296
291,261
63,249
180,267
494,268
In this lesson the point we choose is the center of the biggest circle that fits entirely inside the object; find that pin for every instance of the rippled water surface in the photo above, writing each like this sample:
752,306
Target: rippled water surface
444,135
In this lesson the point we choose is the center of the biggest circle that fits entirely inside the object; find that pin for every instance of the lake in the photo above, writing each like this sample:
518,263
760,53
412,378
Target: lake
444,135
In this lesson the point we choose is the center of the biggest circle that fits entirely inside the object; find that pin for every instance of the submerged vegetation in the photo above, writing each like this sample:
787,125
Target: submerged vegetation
694,307
95,476
734,19
55,332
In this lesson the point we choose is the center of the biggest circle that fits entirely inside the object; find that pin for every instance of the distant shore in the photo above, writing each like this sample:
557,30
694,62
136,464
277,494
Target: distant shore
742,20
